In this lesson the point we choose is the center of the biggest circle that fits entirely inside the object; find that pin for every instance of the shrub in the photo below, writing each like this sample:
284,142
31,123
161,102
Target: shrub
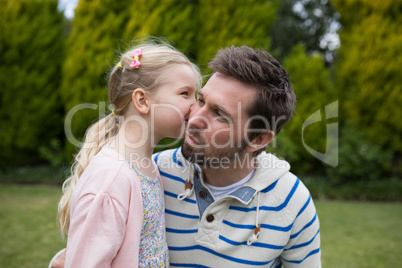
31,53
359,158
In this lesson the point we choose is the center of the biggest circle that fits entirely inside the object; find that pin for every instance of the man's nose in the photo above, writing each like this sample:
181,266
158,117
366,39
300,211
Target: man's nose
197,118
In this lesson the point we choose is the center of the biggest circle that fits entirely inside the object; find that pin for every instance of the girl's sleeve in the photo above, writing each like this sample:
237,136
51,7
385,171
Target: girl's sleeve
97,229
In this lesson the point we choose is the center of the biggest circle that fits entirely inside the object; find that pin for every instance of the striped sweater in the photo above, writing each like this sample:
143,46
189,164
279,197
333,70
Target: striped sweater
204,233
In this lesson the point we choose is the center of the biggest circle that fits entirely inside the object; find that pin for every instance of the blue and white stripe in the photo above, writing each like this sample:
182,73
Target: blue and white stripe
289,234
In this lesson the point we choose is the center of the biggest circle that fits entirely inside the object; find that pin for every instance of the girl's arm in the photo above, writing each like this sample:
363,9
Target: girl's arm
98,224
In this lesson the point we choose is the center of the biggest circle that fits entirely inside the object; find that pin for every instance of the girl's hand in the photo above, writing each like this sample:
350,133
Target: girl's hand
59,261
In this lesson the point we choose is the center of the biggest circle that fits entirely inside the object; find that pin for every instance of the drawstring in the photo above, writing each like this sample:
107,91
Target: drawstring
188,186
188,190
252,239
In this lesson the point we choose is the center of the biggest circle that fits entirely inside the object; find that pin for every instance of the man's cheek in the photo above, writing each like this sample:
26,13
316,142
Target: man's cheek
223,138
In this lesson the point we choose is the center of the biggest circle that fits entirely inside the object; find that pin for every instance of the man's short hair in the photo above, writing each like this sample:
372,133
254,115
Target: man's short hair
275,101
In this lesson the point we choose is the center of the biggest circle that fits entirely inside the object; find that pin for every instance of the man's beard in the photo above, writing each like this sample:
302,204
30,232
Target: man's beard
216,157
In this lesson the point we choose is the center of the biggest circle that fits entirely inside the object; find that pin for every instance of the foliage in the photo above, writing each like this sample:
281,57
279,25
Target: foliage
368,69
385,190
35,64
31,53
284,147
314,89
53,153
306,22
168,143
51,175
170,19
359,158
91,50
232,22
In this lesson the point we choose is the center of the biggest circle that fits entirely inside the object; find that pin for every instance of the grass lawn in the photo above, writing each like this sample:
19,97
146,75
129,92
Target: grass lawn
28,232
359,234
353,234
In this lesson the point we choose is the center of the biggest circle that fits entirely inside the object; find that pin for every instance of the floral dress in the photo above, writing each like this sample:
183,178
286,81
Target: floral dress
153,246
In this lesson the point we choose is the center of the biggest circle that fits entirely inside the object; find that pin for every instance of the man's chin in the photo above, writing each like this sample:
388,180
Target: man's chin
188,152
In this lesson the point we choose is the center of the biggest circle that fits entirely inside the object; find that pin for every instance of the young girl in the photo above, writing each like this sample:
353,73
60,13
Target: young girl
112,206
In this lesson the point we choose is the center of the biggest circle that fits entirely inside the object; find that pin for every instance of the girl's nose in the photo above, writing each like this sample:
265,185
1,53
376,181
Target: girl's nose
192,102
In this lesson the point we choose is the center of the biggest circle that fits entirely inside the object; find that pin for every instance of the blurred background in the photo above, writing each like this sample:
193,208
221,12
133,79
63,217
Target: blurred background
55,55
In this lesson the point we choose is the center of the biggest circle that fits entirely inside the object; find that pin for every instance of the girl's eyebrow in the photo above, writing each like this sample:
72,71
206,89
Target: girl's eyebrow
185,87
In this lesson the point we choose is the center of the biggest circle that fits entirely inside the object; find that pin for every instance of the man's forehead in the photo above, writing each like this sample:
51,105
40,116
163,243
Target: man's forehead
220,84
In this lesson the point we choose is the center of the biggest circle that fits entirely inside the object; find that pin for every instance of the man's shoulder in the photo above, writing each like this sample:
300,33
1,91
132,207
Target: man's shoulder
268,171
166,155
269,165
274,173
291,188
270,161
171,161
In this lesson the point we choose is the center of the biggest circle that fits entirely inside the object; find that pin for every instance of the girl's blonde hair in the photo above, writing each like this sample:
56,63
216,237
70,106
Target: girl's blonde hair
155,60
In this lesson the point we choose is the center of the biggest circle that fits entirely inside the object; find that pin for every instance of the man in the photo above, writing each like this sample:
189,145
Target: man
234,209
228,203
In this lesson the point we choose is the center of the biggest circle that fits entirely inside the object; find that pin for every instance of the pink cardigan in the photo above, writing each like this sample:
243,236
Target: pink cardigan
106,214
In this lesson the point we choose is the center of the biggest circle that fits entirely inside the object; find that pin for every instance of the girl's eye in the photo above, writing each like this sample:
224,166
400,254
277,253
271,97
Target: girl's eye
184,93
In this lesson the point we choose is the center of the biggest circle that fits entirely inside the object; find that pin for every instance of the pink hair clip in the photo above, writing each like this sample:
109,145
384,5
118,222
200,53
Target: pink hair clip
136,62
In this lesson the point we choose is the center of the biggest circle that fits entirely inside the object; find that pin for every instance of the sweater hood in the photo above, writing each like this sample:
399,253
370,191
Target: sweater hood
269,169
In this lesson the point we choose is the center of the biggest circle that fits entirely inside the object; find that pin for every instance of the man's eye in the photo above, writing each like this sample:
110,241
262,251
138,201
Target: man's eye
219,116
200,101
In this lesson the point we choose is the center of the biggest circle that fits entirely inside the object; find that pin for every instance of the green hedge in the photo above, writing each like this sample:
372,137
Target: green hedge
386,189
31,54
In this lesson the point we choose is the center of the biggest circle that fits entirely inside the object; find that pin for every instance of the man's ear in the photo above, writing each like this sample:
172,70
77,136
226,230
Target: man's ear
261,141
140,101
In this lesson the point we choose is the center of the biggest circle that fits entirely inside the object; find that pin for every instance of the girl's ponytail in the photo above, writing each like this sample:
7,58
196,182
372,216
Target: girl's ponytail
97,136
